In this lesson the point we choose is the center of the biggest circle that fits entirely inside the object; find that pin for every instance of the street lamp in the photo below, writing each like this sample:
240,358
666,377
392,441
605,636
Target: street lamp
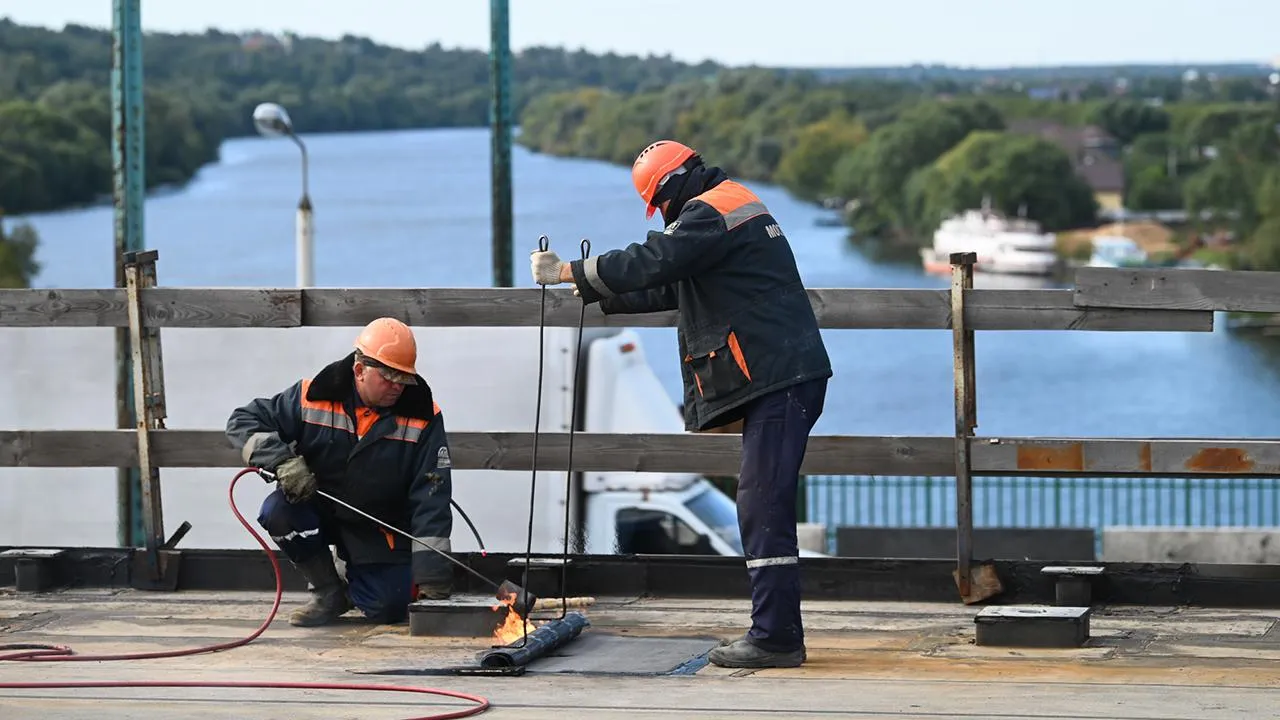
272,120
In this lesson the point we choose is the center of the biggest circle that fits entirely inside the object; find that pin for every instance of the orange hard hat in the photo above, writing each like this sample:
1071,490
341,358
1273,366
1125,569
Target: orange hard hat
390,342
652,166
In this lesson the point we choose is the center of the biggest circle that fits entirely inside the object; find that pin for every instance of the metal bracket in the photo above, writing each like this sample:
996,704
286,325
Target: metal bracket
1073,585
34,569
544,574
163,576
1032,626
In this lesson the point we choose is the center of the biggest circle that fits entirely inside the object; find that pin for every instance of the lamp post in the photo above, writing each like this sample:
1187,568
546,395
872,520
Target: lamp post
272,120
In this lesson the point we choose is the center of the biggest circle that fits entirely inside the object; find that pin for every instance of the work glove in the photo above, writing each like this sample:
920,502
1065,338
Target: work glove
545,266
295,480
434,591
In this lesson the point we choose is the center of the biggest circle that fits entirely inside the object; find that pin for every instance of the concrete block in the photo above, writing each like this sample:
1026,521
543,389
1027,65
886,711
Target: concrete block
459,616
812,536
1032,626
939,543
1229,546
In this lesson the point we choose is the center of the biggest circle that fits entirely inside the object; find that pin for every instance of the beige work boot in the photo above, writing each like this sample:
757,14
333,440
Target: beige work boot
328,593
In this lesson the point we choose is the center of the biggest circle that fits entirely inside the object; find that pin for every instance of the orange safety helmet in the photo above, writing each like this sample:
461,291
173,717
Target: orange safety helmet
652,166
390,342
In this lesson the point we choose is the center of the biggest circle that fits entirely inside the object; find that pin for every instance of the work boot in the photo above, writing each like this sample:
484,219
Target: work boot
328,593
742,654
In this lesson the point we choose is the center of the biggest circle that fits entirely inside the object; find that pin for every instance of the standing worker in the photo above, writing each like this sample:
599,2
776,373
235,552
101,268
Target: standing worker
365,430
750,351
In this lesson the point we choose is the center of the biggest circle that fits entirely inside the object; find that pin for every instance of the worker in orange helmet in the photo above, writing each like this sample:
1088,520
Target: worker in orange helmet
750,353
366,430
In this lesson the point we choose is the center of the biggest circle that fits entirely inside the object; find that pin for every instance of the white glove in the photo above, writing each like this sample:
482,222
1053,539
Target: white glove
545,266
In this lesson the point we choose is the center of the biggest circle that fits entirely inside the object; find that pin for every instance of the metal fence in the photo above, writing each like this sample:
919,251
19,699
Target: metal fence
1040,502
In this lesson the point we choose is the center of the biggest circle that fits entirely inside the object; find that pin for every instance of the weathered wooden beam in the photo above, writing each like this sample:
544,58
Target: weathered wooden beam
712,454
837,308
161,307
1093,456
990,309
1178,289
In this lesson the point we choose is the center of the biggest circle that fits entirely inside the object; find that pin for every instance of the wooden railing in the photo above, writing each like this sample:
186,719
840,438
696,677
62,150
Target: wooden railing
1157,300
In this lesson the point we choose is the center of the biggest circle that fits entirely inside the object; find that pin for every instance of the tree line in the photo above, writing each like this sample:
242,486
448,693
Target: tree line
55,112
55,103
899,156
900,150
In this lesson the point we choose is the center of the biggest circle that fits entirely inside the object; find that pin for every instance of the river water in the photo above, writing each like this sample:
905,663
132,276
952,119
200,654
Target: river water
411,208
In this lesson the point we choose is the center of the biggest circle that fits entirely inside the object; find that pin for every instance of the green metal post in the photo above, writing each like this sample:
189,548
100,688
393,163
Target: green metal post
127,143
500,139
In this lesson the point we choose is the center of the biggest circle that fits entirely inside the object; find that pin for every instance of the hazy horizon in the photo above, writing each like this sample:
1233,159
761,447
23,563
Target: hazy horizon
983,35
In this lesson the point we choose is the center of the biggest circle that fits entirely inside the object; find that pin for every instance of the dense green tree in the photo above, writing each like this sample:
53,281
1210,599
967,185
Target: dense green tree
1126,120
876,172
18,256
807,166
1019,174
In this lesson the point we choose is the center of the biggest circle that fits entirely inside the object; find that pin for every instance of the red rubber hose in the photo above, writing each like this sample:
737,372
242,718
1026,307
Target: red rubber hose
62,653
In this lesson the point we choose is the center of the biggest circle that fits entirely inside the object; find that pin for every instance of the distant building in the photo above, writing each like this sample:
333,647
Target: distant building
1094,153
1044,93
264,41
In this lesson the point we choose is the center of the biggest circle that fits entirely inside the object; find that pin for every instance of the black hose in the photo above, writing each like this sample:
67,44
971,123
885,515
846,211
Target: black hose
470,524
544,244
573,426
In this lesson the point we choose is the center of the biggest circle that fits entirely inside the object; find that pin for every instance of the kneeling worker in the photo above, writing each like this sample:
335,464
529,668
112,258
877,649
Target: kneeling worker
365,430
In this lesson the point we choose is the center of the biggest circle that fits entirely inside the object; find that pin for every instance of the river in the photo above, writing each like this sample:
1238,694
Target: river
411,208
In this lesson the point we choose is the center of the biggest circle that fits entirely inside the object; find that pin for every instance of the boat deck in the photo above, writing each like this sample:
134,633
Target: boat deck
642,657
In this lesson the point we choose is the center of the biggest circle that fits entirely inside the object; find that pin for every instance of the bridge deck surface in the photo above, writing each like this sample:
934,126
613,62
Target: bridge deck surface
866,660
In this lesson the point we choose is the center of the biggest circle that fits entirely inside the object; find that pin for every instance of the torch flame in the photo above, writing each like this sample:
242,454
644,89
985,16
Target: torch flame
513,629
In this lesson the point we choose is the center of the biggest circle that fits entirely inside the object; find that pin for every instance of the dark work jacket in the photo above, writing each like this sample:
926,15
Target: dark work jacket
746,325
392,463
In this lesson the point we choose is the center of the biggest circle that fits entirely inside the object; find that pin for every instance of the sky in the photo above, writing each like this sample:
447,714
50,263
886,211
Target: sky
790,33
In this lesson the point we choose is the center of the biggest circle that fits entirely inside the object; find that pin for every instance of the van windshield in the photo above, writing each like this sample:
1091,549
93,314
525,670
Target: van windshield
720,514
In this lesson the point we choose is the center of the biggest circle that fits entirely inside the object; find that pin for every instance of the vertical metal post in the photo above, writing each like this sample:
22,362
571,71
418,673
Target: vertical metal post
304,228
966,420
127,144
148,398
500,139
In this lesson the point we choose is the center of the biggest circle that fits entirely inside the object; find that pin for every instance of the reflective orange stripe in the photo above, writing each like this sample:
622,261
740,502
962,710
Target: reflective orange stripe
408,429
736,203
411,429
324,412
736,351
391,539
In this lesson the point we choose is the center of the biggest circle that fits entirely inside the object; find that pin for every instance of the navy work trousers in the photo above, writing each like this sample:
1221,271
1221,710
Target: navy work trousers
381,591
775,434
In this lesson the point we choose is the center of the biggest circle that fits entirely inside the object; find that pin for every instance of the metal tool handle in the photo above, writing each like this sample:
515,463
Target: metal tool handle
402,533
